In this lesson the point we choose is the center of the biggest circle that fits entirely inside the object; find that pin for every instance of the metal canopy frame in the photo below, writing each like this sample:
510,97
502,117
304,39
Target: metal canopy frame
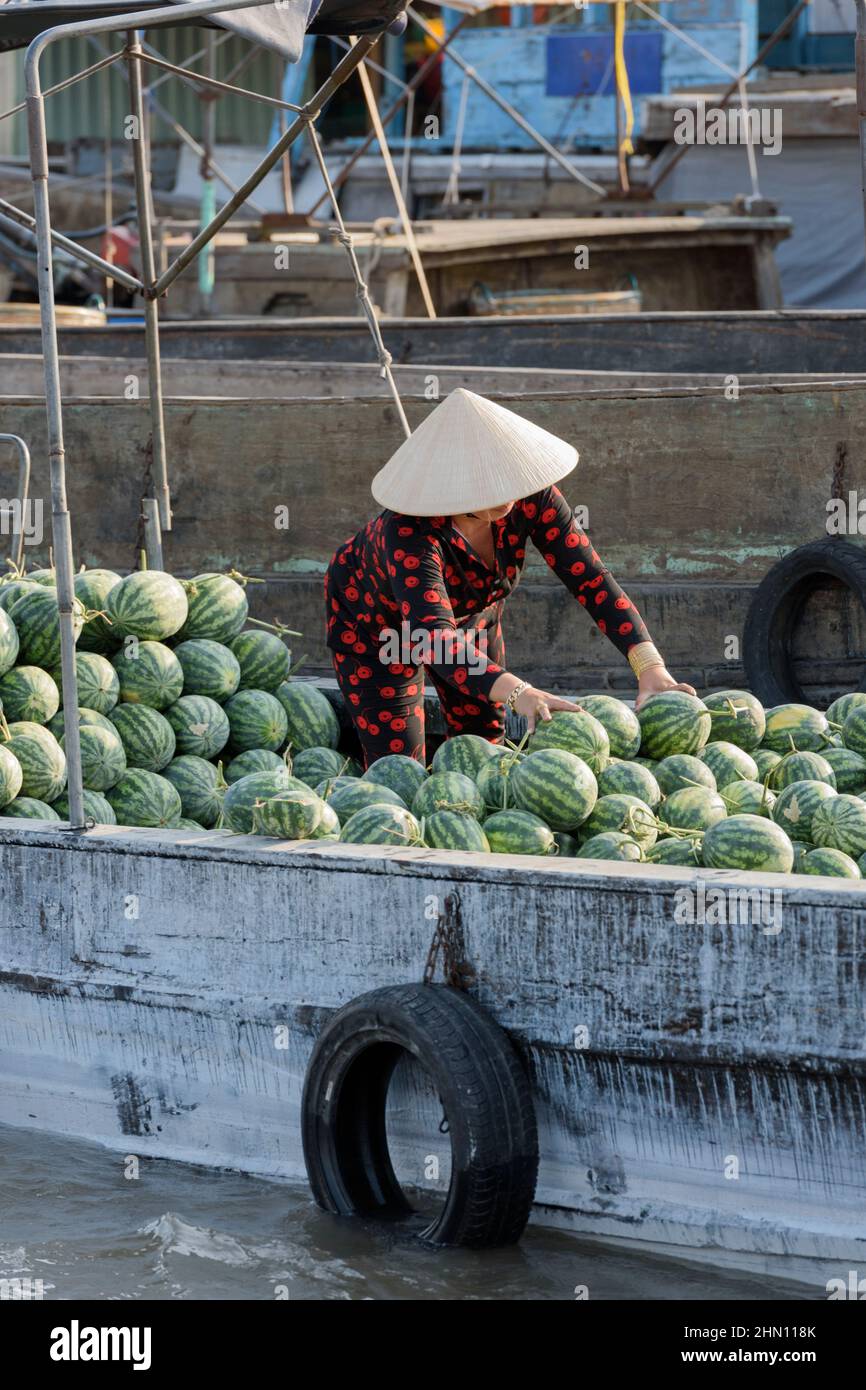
135,56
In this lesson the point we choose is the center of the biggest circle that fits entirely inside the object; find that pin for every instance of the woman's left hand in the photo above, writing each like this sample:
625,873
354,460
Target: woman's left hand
655,680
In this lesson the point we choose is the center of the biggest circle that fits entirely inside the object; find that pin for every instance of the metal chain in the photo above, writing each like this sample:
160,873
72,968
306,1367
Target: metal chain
448,938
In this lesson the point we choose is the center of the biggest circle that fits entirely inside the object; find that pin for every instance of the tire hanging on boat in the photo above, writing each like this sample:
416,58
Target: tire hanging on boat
485,1095
776,609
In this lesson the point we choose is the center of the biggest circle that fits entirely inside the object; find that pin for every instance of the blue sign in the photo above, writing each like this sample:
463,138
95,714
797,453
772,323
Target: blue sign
581,65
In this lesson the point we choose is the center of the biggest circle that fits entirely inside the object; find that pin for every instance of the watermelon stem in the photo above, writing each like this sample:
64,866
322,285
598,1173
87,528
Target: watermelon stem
244,579
279,628
296,667
142,559
4,727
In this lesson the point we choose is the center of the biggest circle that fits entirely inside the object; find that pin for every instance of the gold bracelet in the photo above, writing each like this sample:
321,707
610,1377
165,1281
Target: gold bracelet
514,695
644,655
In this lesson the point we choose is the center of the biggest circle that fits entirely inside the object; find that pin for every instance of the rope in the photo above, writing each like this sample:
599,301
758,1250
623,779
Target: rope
623,91
451,195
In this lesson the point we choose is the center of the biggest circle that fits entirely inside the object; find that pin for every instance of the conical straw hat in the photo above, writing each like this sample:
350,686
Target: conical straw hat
470,454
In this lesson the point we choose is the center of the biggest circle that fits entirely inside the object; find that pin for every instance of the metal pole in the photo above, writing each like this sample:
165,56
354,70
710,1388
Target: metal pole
207,260
860,68
23,494
141,173
152,533
74,248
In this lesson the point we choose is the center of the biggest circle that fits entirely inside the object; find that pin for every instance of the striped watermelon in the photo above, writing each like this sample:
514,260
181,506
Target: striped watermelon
849,769
555,785
518,832
830,862
451,830
765,761
256,720
8,643
200,725
839,710
494,783
42,760
47,578
144,798
218,607
147,737
693,808
199,786
28,692
466,753
329,826
11,776
802,767
209,668
681,849
728,763
37,619
329,785
630,777
103,761
620,723
578,733
796,805
186,823
263,658
840,823
57,725
748,798
792,727
310,714
683,770
92,588
313,765
254,760
383,825
612,844
673,722
290,815
621,811
853,728
566,845
28,808
12,589
356,795
402,774
148,673
242,796
98,685
738,718
147,604
96,808
447,791
748,842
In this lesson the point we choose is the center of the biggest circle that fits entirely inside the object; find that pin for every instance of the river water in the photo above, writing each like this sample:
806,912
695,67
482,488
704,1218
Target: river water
70,1218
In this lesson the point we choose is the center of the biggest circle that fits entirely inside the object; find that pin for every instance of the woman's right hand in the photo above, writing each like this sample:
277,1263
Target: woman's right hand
537,705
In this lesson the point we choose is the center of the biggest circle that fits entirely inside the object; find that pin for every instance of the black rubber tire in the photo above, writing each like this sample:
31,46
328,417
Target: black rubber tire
776,608
484,1092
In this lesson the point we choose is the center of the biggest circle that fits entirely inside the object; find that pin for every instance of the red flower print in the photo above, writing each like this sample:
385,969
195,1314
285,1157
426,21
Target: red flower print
411,562
622,602
548,514
625,627
396,745
601,596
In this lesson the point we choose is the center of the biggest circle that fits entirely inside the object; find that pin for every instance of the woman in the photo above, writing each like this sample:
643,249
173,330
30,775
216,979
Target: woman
418,593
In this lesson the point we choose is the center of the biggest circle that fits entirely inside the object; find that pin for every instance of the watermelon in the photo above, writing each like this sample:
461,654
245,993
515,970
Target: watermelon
92,588
683,770
57,725
840,823
148,673
765,761
630,777
621,811
849,769
313,765
185,823
329,825
402,774
290,815
681,849
673,722
37,619
144,798
795,806
218,608
566,845
8,643
650,763
795,728
263,659
451,830
466,753
147,737
254,760
311,719
748,842
738,718
518,832
356,795
147,604
728,763
28,808
199,786
831,862
447,791
494,783
383,825
11,775
555,785
42,760
28,692
580,734
257,720
611,844
839,710
620,723
693,808
801,767
209,668
44,577
200,725
98,685
103,761
329,785
12,589
96,808
747,798
853,729
242,795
